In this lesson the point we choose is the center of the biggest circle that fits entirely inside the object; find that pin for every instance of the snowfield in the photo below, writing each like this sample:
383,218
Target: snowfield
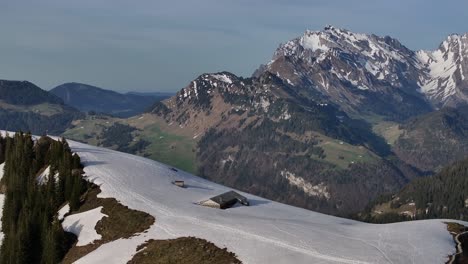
265,232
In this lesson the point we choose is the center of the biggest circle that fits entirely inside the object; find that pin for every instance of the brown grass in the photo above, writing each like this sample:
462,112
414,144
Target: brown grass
184,250
121,222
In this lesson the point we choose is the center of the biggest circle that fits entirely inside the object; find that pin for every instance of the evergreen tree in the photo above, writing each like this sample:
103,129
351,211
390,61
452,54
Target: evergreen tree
33,233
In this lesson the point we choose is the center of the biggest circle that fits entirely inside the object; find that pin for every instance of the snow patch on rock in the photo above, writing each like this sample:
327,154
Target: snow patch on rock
83,225
319,190
223,78
63,211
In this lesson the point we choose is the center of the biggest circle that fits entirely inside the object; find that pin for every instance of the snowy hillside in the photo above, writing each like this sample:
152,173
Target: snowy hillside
265,232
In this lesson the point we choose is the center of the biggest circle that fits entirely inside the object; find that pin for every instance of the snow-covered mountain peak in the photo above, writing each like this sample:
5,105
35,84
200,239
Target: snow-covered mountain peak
206,84
446,79
340,64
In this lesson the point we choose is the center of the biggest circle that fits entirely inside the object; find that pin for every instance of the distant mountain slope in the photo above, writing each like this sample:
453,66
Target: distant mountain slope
90,98
444,195
25,93
264,232
368,74
432,141
257,134
294,131
24,106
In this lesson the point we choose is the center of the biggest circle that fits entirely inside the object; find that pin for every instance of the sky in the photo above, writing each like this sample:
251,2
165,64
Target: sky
152,45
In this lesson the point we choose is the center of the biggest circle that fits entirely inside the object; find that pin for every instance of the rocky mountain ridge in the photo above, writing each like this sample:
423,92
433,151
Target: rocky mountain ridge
370,74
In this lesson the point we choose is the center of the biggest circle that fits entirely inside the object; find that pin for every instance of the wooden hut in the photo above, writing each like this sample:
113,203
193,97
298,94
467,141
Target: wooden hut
225,200
179,183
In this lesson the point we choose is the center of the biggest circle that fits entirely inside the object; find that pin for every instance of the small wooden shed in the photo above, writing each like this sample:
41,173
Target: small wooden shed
225,200
179,183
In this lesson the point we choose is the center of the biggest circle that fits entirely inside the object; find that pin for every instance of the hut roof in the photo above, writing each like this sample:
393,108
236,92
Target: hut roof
229,197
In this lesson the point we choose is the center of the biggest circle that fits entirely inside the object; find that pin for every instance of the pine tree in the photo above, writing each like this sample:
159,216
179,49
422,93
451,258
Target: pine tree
32,231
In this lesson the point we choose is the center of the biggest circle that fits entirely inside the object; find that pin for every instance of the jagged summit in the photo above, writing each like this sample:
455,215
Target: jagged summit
357,71
444,79
354,69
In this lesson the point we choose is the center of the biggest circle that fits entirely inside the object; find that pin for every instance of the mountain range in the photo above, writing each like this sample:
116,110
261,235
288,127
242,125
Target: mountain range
334,120
304,110
371,74
24,106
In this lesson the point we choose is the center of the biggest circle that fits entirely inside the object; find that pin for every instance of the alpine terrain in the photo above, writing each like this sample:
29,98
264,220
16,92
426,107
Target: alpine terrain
262,232
335,119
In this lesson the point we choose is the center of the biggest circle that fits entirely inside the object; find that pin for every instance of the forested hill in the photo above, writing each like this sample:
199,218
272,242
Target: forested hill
25,93
26,107
432,141
444,195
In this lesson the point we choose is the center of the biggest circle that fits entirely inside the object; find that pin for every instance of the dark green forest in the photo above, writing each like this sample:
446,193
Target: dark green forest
33,233
37,123
444,195
25,93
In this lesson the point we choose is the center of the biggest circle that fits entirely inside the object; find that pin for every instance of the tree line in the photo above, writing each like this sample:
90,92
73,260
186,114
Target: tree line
32,230
444,195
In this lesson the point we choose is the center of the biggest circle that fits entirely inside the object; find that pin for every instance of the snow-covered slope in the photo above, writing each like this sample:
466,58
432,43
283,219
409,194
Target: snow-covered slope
265,232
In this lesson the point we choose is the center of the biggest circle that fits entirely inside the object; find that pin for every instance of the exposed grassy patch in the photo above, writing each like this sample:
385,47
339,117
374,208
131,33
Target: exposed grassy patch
389,130
408,209
185,250
170,148
343,154
89,129
46,109
175,150
121,222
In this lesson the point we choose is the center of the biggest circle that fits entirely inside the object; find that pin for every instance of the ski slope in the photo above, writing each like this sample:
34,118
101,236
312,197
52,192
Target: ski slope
265,232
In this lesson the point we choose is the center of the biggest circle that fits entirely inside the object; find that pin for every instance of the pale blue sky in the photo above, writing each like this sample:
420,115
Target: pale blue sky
162,45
